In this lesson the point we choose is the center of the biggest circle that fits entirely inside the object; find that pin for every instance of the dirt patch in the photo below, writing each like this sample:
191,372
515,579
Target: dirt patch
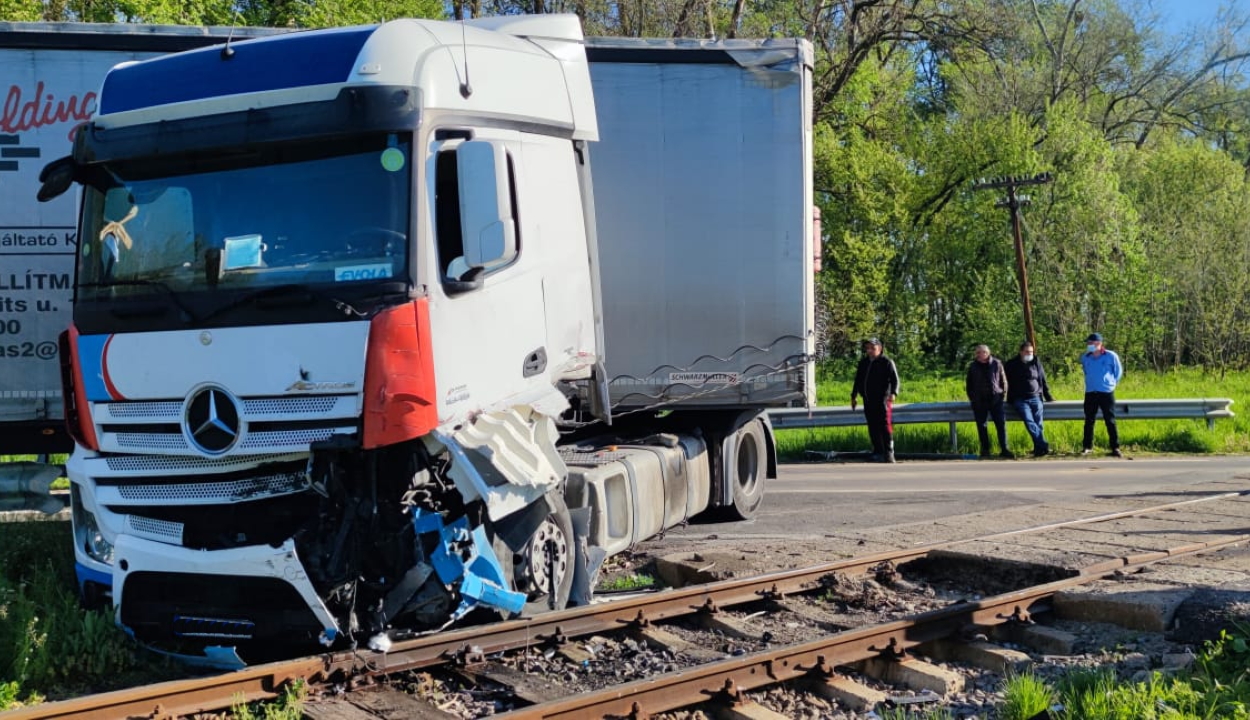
979,575
1206,612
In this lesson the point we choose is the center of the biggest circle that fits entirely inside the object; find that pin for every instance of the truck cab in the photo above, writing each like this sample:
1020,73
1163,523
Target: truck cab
336,372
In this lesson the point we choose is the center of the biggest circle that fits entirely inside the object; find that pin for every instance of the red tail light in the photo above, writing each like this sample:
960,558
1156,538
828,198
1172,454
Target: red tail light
400,402
73,395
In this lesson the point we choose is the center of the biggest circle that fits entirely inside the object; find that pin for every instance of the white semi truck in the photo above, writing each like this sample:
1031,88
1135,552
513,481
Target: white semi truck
378,328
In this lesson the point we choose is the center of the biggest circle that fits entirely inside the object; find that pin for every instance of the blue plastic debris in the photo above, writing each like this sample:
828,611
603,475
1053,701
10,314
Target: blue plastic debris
468,556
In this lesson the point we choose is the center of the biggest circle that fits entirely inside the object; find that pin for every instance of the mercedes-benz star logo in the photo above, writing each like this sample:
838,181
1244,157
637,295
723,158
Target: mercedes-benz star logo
212,420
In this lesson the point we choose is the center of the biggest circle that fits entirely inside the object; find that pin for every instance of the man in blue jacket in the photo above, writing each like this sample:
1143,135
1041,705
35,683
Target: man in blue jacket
1103,372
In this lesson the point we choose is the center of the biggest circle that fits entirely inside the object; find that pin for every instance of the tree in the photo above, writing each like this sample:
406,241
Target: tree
1195,208
270,13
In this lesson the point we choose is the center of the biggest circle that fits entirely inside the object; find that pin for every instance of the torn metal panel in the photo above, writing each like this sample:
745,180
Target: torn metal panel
138,555
508,459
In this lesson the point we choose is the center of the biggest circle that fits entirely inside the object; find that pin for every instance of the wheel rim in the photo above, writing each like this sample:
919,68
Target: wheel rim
748,464
547,554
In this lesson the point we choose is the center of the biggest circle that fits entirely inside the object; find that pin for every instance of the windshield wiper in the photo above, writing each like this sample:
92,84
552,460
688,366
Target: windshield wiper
128,312
279,296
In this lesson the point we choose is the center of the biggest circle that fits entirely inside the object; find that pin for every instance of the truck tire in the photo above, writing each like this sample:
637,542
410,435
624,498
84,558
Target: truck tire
548,556
747,469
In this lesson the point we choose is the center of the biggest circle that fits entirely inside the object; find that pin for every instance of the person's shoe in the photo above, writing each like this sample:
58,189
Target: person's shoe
889,458
1007,455
1041,452
1086,451
1116,453
875,457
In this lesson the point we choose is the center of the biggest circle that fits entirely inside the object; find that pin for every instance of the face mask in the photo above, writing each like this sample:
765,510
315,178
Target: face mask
1091,348
1027,358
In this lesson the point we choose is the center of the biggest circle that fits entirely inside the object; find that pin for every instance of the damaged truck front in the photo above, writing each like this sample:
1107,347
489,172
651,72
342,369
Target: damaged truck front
338,296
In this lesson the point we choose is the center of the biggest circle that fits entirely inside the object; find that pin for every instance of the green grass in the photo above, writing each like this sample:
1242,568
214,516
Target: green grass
1024,697
632,581
49,646
53,459
1230,436
287,706
1217,688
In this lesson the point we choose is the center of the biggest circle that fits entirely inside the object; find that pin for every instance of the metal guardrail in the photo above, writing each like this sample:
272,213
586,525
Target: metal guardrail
1209,409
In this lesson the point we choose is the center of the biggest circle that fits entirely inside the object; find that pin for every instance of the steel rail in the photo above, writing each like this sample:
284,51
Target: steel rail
207,694
727,679
177,698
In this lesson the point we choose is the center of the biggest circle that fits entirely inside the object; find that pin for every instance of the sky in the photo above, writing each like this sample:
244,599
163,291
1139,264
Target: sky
1180,14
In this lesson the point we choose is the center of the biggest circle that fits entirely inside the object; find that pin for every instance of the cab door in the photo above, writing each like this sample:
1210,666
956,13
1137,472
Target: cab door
487,311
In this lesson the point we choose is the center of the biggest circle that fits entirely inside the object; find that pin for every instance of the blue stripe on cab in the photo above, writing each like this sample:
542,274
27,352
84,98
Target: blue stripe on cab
86,574
91,359
288,61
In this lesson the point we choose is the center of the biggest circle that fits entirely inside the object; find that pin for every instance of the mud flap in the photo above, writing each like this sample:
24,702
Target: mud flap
586,560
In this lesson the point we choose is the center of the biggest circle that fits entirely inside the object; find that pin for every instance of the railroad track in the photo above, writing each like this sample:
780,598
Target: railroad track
725,680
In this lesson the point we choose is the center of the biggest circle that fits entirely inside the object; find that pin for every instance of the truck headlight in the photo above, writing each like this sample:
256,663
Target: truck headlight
92,540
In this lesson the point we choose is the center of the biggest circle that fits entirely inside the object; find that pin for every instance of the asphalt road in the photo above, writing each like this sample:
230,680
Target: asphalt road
812,499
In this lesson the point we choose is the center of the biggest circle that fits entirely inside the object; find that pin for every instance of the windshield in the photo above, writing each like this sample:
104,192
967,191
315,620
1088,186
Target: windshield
326,212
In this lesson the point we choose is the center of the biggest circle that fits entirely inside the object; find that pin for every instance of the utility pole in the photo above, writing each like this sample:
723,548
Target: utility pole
1013,203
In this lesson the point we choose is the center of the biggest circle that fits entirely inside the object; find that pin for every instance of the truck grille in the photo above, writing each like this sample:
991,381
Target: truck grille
146,464
211,492
191,486
138,442
149,410
267,425
158,530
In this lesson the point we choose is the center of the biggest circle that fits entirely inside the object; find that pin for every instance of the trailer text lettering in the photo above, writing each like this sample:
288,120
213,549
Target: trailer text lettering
23,113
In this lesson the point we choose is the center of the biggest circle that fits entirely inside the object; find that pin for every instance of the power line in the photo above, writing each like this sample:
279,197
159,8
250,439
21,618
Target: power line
1013,203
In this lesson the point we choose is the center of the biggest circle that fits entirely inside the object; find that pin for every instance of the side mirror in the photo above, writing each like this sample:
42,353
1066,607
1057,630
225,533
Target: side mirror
56,177
486,219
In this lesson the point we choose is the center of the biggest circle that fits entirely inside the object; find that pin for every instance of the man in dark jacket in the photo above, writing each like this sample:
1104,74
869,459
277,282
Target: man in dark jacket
876,380
1026,391
986,386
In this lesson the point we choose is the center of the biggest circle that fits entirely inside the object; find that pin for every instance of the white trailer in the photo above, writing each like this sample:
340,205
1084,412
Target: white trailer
366,337
51,82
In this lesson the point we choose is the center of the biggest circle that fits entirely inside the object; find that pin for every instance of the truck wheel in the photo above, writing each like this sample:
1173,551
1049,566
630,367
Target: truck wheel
545,564
747,469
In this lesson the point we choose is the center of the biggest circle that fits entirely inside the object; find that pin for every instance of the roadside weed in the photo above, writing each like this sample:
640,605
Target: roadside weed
632,581
287,706
1024,696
